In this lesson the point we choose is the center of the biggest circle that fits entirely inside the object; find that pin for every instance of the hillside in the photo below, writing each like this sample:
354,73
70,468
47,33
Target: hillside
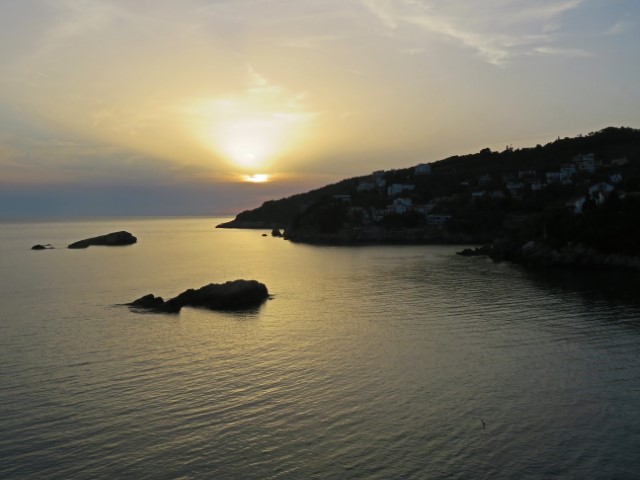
587,182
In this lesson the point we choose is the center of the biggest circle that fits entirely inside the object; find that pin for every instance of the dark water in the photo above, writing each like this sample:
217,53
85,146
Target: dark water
374,362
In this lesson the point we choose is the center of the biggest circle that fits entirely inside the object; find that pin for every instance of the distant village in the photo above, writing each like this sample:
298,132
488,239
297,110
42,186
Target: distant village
596,178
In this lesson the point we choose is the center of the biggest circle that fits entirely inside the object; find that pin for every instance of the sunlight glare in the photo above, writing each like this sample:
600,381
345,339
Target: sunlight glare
256,178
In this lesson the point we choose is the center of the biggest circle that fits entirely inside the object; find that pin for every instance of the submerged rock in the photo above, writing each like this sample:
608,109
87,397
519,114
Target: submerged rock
236,294
276,232
110,240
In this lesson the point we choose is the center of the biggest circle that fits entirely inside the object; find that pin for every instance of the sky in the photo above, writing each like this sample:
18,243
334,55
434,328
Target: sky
211,107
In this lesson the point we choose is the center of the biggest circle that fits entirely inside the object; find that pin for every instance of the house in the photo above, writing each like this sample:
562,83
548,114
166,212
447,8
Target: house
554,177
401,205
567,171
478,194
577,204
343,198
619,162
423,169
600,191
526,173
585,162
438,219
424,209
484,179
515,188
615,178
397,188
535,185
365,186
379,178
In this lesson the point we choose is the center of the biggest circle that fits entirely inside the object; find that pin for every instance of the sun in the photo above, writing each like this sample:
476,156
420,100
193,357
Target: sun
256,178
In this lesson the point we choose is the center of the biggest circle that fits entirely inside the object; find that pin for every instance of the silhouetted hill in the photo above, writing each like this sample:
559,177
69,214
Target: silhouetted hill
454,181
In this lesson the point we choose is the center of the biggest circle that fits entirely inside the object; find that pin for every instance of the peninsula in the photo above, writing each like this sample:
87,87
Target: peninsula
573,192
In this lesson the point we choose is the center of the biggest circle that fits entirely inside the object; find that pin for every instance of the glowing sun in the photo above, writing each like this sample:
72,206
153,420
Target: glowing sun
256,178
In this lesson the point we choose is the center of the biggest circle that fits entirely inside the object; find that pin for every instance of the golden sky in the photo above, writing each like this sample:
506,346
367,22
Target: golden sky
211,106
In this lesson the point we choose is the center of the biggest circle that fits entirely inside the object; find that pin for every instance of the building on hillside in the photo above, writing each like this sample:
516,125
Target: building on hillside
423,169
424,209
515,188
567,171
615,178
600,191
526,173
401,205
619,162
585,162
436,219
577,204
398,188
379,178
535,185
343,198
484,179
365,186
554,177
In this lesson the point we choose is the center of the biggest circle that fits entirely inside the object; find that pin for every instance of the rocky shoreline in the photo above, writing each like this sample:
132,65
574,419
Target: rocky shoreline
542,256
380,235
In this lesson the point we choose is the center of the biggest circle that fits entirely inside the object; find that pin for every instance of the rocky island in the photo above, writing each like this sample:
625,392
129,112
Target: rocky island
236,294
111,240
579,195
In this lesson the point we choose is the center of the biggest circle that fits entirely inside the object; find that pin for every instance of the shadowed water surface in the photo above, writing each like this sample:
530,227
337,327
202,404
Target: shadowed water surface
373,362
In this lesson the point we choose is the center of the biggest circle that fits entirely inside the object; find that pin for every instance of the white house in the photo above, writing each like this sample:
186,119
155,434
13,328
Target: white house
401,205
343,198
577,204
398,188
600,191
515,188
423,169
366,186
478,194
567,171
616,178
585,162
536,185
554,177
379,178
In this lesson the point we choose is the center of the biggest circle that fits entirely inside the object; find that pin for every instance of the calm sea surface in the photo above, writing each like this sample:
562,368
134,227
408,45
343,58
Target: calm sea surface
373,362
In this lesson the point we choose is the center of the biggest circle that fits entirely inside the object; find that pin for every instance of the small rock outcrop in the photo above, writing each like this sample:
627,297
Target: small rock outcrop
236,294
111,240
276,232
42,247
485,250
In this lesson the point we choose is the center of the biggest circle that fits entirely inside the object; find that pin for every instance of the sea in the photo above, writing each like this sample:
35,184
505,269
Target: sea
371,362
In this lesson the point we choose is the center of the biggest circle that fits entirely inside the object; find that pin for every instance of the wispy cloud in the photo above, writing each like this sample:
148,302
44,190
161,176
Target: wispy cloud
497,30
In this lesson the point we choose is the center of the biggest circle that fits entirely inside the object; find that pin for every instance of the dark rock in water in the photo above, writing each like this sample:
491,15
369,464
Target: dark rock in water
485,250
42,247
264,235
276,232
236,294
111,240
148,301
